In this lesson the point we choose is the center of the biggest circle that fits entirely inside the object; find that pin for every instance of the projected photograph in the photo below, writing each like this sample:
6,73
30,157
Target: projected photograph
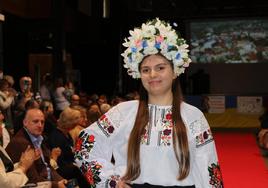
229,41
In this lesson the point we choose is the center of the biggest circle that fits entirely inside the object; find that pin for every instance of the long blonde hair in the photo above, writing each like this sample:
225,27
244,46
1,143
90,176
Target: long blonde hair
179,134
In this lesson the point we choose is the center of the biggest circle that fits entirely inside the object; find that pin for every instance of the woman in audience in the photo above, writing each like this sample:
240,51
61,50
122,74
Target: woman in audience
61,138
81,125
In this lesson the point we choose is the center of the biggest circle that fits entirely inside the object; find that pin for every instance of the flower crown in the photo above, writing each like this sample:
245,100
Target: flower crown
154,37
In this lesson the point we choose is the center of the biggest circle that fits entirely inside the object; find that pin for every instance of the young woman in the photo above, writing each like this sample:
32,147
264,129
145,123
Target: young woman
158,140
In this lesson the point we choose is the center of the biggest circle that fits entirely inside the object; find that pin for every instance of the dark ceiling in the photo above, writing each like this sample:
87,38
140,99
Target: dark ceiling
131,8
195,8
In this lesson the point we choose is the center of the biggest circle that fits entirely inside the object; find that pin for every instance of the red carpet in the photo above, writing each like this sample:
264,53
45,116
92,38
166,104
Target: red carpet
241,162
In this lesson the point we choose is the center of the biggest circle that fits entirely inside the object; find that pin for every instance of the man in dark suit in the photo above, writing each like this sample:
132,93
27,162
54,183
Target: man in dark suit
31,134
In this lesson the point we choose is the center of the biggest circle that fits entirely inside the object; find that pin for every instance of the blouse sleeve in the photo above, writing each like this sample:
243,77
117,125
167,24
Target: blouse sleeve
7,179
207,171
94,149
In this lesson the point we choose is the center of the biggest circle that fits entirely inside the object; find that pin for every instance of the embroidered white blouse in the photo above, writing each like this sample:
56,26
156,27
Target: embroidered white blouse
109,136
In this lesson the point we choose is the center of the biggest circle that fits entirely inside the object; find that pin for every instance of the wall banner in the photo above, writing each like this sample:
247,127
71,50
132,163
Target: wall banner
214,104
249,104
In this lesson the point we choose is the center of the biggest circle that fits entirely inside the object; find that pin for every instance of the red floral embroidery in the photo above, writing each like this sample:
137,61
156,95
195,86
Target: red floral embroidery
112,181
145,136
165,138
169,116
204,138
78,144
89,177
105,125
102,117
83,145
110,129
91,138
167,132
215,176
91,172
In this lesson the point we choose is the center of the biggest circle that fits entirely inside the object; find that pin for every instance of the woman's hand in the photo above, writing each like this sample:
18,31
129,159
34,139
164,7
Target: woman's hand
55,153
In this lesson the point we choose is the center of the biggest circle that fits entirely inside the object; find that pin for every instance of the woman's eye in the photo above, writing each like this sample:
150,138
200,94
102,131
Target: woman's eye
160,68
144,70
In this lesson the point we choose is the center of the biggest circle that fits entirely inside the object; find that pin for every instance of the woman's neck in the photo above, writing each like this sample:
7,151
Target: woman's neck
165,100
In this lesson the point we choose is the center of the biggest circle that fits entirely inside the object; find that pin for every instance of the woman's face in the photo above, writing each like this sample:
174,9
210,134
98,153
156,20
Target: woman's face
157,75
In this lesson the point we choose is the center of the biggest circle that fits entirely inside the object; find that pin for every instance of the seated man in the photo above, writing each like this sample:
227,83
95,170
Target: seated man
31,134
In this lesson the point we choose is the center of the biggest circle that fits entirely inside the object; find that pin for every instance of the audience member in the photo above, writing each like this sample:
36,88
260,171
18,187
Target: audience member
7,101
14,175
4,134
102,99
61,138
46,87
69,90
84,99
25,88
8,112
60,100
31,134
24,95
263,138
263,133
104,108
93,113
11,83
81,125
75,100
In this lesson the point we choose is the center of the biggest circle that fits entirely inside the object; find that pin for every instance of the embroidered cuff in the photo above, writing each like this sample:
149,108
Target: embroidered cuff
54,164
112,181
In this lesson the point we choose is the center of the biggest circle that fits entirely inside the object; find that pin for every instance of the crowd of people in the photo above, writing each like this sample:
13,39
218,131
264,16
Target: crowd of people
39,130
60,137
